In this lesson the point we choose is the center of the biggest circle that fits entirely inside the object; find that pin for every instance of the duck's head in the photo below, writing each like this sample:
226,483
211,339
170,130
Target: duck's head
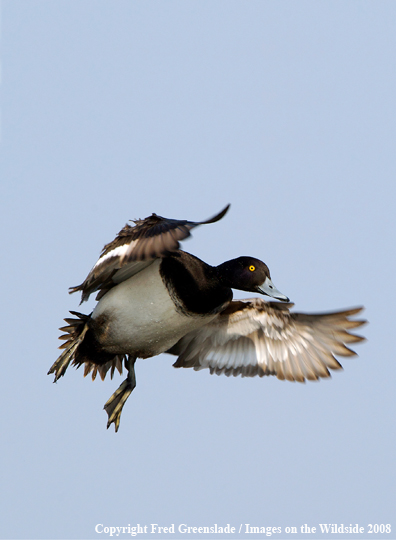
249,274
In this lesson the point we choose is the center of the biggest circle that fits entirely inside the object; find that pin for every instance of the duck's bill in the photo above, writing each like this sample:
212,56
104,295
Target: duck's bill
269,289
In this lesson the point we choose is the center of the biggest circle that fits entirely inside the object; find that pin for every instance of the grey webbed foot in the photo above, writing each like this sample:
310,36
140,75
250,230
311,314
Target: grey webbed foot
115,404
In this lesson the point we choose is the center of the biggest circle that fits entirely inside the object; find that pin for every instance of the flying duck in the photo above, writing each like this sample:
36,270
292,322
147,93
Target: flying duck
155,298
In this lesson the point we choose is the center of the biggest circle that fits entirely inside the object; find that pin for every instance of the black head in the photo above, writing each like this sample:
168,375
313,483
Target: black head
249,274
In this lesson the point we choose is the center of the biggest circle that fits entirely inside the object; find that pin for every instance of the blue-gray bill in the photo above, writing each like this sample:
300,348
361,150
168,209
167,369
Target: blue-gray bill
269,289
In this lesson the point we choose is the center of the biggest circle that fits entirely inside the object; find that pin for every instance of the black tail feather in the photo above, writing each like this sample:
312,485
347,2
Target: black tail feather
79,348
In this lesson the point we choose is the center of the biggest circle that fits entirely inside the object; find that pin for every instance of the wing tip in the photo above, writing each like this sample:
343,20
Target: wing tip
218,216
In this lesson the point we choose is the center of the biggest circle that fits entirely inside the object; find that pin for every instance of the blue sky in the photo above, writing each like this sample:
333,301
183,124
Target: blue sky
113,110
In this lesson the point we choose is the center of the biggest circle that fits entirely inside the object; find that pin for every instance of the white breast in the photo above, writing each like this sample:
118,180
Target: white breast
140,317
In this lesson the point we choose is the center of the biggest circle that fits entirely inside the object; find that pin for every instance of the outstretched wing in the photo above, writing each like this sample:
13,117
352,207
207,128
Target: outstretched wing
135,248
253,337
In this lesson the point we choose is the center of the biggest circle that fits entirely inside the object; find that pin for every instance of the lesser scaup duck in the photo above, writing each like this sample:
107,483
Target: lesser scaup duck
155,298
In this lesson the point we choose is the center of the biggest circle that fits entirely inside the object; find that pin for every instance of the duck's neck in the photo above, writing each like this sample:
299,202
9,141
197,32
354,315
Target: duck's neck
228,274
224,274
194,284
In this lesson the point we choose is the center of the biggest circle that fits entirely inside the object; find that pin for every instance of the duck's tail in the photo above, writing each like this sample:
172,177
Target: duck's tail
93,359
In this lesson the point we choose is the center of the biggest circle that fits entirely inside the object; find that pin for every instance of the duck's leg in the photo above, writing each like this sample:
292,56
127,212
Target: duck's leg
114,405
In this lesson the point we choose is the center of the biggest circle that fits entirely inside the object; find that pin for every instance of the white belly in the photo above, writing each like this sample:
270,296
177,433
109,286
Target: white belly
140,318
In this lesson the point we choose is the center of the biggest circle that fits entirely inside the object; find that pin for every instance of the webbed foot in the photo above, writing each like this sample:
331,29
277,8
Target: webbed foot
114,405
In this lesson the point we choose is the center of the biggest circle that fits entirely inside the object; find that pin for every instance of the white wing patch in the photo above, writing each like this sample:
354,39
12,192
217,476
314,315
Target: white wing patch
118,252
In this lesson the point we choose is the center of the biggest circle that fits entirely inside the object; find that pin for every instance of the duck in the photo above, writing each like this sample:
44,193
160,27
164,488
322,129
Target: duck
152,298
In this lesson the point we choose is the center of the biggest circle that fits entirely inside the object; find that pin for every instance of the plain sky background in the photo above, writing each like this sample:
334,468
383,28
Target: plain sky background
112,110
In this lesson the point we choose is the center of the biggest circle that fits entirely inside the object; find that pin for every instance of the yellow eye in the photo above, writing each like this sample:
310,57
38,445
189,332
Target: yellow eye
252,268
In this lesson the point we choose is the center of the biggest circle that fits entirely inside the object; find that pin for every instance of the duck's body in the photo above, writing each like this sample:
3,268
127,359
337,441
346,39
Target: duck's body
145,316
155,298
